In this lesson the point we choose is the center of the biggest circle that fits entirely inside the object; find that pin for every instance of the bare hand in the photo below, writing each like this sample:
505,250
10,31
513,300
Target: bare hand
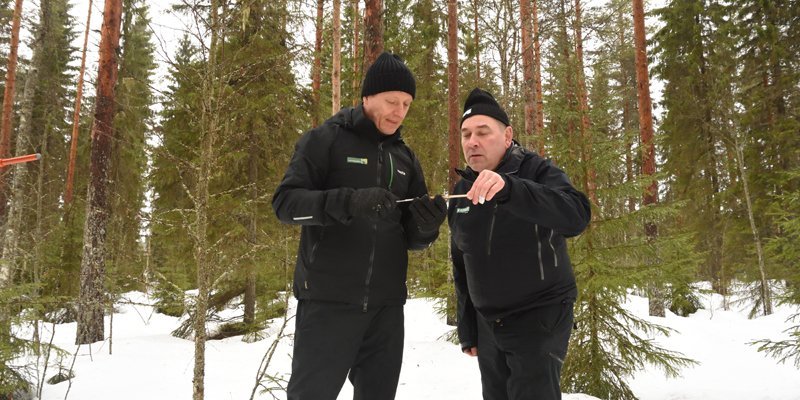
471,351
488,184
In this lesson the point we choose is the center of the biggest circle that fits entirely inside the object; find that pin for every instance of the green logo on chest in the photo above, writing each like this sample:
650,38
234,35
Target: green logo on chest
357,160
462,210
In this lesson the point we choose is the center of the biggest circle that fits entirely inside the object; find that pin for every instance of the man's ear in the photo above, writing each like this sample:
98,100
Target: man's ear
509,134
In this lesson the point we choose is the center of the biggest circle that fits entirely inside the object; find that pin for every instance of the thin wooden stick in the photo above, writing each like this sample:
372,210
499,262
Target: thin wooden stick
446,197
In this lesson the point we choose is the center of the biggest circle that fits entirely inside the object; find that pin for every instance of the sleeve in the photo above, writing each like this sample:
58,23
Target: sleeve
416,240
543,194
465,311
301,198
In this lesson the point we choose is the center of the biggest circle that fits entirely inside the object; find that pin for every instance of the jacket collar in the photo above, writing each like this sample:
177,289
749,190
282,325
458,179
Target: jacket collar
355,120
509,164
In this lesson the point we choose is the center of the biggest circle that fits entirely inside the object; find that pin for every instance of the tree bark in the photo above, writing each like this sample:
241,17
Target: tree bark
91,302
454,137
76,115
8,104
528,84
373,30
356,53
537,76
336,73
764,290
477,35
655,295
210,114
316,70
250,273
583,96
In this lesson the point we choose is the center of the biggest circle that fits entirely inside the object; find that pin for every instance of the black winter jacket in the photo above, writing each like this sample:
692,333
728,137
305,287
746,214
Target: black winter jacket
510,254
342,258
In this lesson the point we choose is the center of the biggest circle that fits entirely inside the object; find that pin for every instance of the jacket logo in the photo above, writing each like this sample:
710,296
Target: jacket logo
357,160
401,172
462,210
469,111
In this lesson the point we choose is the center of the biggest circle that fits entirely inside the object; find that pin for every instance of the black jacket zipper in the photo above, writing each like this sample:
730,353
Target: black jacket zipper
491,231
375,234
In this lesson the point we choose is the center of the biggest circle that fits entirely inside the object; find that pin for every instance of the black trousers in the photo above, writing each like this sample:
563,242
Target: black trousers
333,338
520,356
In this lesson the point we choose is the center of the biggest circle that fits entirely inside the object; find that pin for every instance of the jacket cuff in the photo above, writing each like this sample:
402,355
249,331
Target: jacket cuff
505,193
336,202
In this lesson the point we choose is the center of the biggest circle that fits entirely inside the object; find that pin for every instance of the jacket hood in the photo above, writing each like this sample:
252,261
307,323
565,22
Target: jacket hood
355,120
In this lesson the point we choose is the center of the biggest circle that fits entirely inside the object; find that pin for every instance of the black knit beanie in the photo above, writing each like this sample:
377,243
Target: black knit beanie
481,102
386,74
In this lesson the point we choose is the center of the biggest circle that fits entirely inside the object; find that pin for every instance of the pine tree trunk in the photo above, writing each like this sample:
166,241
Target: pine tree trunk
90,310
8,105
316,71
453,113
570,95
373,30
655,295
528,84
76,115
764,290
583,96
336,73
537,77
250,273
454,126
356,54
477,35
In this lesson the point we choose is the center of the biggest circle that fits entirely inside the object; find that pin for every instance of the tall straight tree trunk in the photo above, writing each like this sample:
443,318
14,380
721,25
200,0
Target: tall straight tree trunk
8,104
537,77
454,136
528,84
454,126
252,229
356,54
316,70
570,95
373,30
209,125
655,295
627,107
583,97
90,310
764,290
336,73
477,36
76,115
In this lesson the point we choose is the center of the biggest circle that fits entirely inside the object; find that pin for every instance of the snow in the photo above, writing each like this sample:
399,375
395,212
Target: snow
147,362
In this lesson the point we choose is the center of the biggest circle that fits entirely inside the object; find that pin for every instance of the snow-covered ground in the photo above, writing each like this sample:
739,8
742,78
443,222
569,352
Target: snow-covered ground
148,363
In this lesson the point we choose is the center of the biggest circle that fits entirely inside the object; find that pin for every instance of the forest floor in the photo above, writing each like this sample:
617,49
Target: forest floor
147,362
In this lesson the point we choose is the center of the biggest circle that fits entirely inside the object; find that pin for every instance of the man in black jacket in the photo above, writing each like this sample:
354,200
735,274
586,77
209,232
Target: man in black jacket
513,277
342,186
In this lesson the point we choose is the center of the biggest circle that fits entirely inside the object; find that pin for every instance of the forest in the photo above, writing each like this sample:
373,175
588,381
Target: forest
160,155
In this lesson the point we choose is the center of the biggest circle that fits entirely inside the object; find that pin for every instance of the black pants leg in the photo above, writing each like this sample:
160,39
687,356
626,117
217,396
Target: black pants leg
333,338
376,371
520,356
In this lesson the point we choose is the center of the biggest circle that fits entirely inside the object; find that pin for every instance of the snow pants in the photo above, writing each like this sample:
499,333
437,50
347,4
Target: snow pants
520,356
333,338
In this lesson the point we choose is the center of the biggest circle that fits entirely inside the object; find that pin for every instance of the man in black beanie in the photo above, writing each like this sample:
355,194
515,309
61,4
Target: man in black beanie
513,277
342,187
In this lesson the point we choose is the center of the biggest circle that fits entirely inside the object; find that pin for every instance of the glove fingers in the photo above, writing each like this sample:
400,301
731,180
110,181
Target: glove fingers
439,202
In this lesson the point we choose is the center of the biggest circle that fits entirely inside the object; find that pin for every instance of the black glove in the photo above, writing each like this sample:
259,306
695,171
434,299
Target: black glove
372,203
428,213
